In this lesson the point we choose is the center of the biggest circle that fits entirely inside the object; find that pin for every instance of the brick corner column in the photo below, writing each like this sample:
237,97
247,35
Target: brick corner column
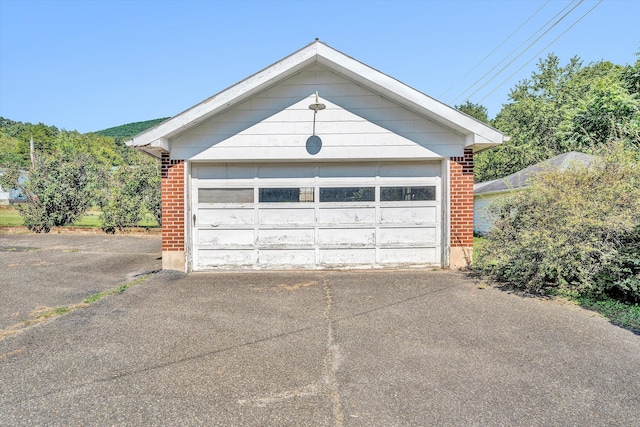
173,214
461,210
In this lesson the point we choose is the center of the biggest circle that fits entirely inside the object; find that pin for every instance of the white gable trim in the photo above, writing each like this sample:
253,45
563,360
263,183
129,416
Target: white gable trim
477,134
405,95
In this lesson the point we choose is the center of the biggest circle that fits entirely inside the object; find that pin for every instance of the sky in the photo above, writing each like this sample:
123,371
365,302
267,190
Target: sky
87,65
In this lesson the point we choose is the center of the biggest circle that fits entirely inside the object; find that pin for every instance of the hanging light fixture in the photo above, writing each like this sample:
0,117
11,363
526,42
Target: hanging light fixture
314,143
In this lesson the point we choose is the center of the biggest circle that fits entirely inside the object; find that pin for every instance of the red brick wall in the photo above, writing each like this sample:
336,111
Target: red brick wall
461,200
172,204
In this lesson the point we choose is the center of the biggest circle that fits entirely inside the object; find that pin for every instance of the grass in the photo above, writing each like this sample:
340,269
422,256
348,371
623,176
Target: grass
120,289
623,314
9,217
50,313
55,312
619,313
478,242
62,310
65,309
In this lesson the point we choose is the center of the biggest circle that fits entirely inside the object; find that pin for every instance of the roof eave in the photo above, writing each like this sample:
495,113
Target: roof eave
228,97
477,134
409,97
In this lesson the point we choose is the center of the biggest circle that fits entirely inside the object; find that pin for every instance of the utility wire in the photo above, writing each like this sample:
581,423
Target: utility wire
525,50
493,51
517,48
545,48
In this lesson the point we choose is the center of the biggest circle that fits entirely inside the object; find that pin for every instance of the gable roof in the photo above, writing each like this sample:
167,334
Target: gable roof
477,134
522,178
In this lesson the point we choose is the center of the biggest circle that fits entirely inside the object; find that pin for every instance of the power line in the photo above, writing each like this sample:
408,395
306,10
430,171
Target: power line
497,47
521,53
525,50
545,48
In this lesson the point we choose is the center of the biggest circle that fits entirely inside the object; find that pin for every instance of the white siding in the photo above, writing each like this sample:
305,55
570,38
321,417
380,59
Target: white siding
357,124
8,195
4,197
481,219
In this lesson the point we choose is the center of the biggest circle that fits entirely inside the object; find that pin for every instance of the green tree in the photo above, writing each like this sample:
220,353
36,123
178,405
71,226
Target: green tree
474,110
540,116
152,195
133,189
59,190
43,137
608,113
631,76
10,152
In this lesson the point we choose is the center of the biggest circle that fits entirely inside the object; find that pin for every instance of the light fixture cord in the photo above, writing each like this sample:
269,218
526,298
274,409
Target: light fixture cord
314,121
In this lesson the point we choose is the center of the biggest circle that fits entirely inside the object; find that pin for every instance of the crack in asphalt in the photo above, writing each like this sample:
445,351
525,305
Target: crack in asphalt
332,360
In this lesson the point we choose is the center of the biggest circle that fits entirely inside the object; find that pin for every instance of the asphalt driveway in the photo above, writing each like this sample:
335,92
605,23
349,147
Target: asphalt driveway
355,348
39,271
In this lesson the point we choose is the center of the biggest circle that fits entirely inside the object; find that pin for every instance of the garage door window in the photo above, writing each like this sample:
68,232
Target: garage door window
398,194
225,195
286,195
349,194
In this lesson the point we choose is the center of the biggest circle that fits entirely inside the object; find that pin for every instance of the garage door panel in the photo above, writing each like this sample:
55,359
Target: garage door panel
295,257
226,238
278,172
348,171
400,236
410,170
408,215
227,257
418,256
352,215
221,216
224,172
286,237
208,172
269,224
284,216
347,257
350,237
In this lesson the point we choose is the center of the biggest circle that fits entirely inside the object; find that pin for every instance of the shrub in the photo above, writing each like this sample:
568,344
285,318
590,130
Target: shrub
132,190
59,190
575,230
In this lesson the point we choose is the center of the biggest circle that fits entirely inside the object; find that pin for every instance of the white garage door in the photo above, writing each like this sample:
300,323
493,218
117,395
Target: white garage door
316,215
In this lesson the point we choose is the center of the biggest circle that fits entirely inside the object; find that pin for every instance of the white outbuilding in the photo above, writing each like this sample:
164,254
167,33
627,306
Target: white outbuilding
317,161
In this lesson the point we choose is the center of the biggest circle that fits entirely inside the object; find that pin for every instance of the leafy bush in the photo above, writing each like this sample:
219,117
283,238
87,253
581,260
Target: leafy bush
59,190
577,230
132,190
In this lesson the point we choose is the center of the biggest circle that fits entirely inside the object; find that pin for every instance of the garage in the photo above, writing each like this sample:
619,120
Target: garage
316,215
317,161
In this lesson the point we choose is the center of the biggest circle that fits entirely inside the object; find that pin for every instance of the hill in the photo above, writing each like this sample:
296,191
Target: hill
130,130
